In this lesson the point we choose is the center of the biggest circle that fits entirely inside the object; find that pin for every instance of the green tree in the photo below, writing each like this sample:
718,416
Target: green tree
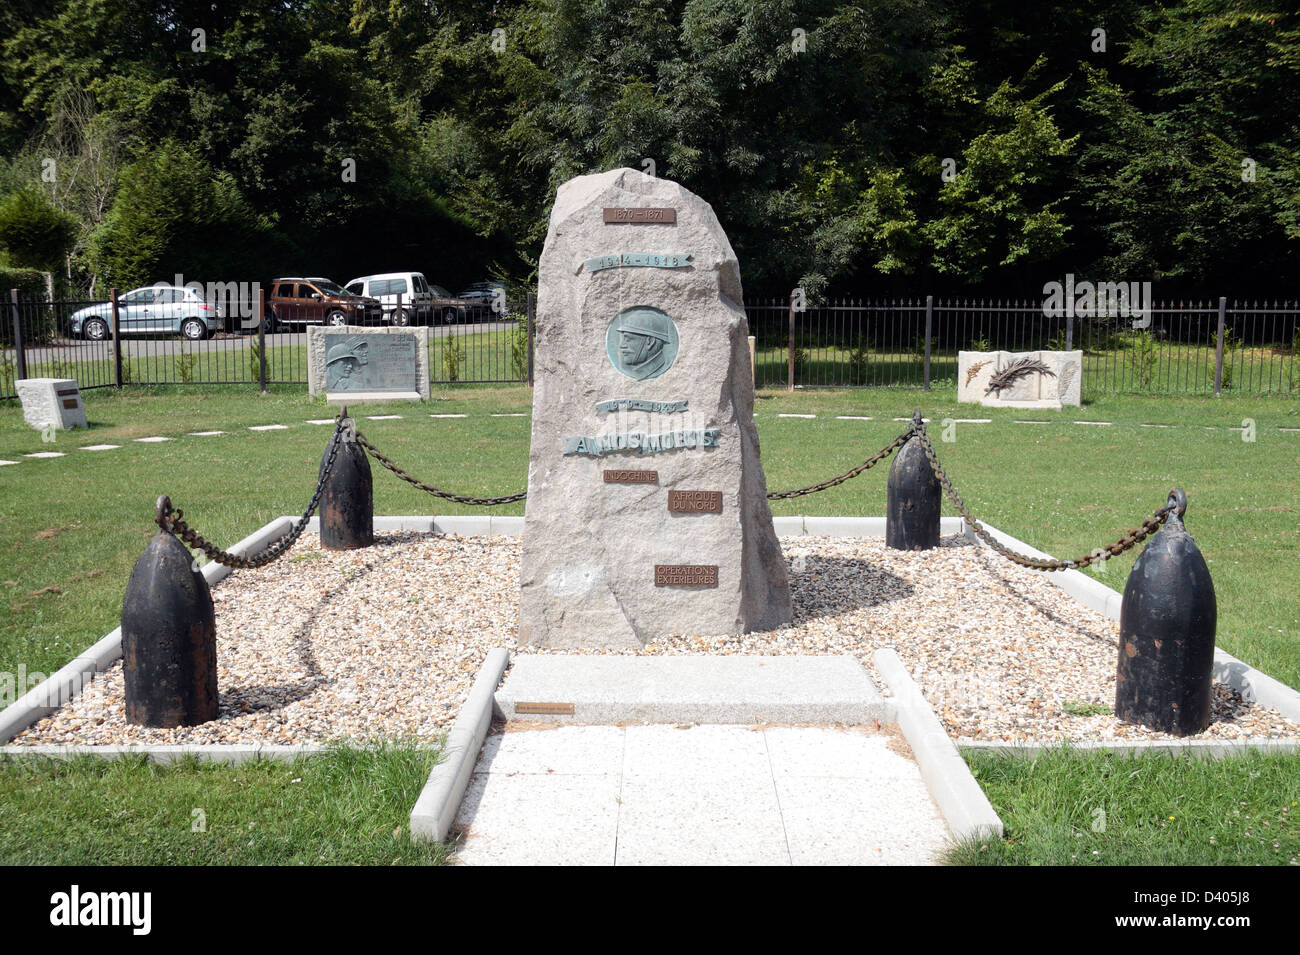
174,214
33,233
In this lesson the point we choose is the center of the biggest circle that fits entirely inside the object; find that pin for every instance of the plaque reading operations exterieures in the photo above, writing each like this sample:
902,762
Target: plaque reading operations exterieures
662,215
686,575
695,502
623,476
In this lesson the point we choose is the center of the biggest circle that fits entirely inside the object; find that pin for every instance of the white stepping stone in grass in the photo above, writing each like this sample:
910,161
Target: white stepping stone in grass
99,447
796,416
152,440
3,463
511,414
204,434
1018,421
320,420
448,416
1093,422
853,417
1156,426
44,454
972,420
268,427
1289,429
383,417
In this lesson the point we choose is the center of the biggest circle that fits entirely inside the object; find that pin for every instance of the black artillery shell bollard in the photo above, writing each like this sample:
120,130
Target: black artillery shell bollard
913,500
1166,634
169,639
347,503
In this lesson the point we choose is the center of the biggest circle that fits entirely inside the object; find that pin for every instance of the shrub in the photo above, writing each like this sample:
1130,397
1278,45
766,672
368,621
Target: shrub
451,356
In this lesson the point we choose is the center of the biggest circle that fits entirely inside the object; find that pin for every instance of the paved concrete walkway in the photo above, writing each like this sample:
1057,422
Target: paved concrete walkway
547,794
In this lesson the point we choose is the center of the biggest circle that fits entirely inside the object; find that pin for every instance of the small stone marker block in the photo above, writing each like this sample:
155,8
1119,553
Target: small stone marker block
52,403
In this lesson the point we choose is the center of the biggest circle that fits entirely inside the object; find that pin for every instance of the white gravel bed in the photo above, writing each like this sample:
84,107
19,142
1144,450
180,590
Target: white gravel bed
386,641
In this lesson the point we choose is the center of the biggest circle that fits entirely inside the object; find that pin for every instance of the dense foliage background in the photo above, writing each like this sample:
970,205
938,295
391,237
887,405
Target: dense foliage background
893,146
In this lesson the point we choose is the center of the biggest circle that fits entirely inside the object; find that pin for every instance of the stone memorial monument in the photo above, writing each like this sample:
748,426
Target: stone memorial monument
52,403
352,365
647,507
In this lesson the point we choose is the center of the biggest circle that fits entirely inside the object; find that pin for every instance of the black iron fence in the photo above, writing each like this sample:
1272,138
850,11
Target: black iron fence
122,342
1173,348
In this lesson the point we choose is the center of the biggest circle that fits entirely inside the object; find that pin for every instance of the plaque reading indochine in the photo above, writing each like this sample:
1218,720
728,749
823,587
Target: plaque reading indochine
686,575
695,502
663,215
631,477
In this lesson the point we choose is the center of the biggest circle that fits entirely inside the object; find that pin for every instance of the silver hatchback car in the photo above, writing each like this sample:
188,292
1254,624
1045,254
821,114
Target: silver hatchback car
154,309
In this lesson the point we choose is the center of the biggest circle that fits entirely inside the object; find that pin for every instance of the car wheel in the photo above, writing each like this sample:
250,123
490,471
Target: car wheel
95,330
194,330
337,319
401,318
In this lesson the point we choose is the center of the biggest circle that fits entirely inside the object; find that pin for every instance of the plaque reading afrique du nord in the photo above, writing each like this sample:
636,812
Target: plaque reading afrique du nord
695,502
623,476
686,575
657,215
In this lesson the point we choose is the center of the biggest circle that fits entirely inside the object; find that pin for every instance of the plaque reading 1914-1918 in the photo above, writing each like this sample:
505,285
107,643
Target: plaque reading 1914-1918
642,362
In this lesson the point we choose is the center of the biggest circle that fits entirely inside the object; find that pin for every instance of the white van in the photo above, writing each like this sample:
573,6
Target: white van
405,296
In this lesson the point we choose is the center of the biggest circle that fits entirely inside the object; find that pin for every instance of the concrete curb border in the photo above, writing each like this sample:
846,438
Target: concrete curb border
229,754
435,810
1199,748
965,808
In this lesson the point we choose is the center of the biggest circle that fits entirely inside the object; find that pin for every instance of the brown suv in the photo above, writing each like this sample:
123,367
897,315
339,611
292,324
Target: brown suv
317,301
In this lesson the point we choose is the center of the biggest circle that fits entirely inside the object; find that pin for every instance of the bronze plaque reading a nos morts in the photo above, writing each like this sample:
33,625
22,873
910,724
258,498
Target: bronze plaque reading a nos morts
549,709
69,402
631,477
663,215
695,502
686,575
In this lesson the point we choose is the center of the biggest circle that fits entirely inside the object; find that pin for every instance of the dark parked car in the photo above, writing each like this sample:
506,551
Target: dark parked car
482,295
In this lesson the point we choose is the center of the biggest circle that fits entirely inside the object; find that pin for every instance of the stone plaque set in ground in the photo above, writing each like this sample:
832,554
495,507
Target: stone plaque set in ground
1047,379
351,365
647,511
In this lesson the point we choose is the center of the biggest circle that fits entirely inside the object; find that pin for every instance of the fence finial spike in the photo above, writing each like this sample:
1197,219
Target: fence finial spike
162,510
917,423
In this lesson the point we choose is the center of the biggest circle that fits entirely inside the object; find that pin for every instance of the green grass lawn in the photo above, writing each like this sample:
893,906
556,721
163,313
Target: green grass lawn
347,807
72,527
1067,808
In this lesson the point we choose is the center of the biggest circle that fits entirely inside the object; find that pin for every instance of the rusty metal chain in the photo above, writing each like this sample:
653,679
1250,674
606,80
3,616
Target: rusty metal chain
447,495
851,473
172,519
1127,541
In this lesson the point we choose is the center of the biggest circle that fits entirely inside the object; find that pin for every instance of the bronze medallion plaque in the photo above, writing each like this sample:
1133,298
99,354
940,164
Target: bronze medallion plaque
695,502
550,709
631,477
664,215
686,575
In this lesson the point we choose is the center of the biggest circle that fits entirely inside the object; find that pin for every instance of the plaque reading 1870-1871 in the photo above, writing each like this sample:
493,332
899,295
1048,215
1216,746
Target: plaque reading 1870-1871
665,215
686,575
695,502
